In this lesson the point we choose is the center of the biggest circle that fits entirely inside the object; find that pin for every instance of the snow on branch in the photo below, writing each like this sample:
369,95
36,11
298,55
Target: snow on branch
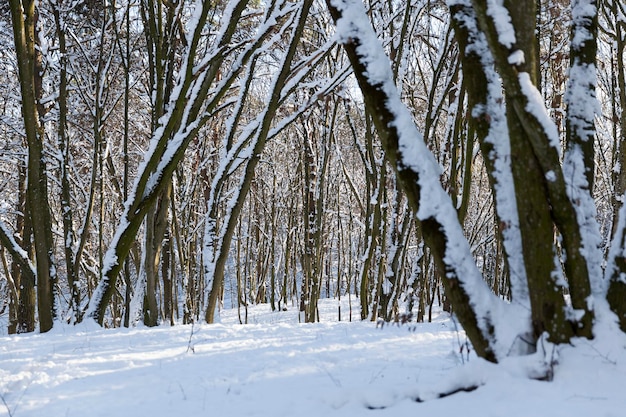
19,255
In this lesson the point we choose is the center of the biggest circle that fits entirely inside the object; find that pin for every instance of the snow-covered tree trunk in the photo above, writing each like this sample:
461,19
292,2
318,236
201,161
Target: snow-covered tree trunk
375,173
486,106
63,143
24,280
579,161
313,178
163,35
541,186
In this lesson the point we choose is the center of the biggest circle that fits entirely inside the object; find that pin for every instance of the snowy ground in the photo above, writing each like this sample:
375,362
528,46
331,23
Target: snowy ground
277,367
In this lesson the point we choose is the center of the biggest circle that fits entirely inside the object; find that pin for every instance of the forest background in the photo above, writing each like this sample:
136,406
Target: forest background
162,159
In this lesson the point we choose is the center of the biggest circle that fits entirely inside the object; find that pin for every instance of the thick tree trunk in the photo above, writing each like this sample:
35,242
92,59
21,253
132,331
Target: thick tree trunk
24,17
163,38
488,123
537,135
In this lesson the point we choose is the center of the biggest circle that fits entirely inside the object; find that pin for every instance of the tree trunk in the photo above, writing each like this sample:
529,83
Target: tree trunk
24,17
536,142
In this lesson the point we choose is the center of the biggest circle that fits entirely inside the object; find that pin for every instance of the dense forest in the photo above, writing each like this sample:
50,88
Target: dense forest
164,159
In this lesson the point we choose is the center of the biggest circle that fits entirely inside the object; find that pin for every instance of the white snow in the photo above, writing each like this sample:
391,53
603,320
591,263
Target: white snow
502,22
584,205
582,105
583,12
516,57
537,109
277,367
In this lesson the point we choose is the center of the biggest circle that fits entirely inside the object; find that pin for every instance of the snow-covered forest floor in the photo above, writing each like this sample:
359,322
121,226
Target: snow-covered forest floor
278,367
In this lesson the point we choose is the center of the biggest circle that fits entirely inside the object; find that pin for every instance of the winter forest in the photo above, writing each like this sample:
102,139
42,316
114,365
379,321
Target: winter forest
163,162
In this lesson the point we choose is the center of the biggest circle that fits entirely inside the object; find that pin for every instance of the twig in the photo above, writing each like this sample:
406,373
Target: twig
550,361
190,347
602,355
530,343
375,376
332,378
6,405
461,345
182,391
